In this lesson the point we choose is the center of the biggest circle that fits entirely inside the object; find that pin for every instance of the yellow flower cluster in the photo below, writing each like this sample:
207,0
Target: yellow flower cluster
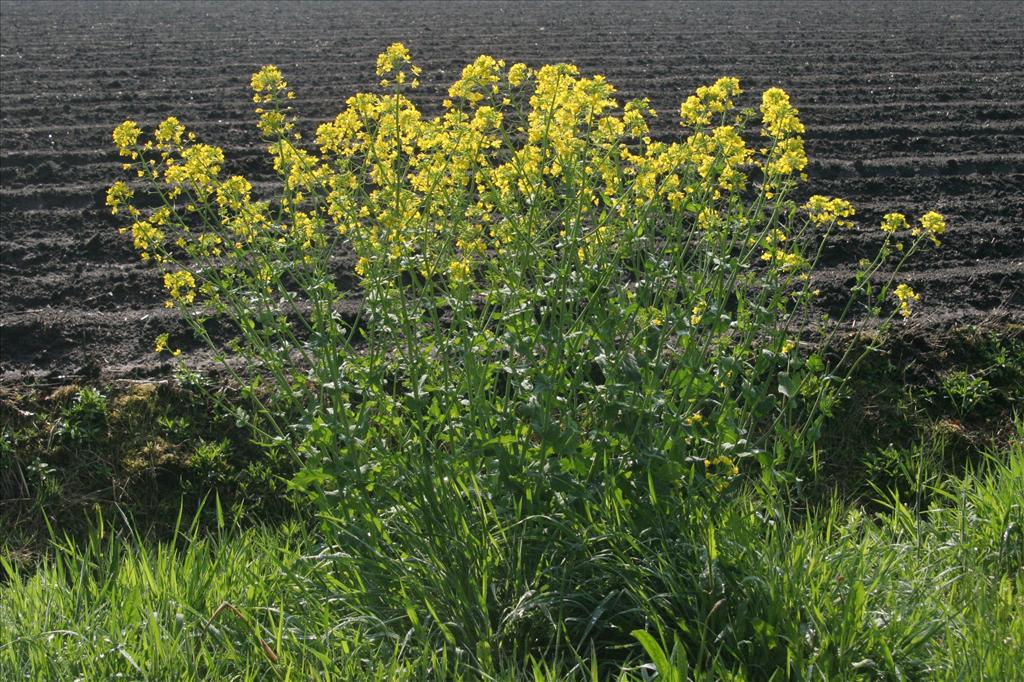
198,170
460,271
933,224
169,132
119,196
126,136
182,287
441,196
722,464
479,80
824,211
268,85
775,252
633,122
719,157
780,118
392,63
780,123
163,345
708,219
709,101
697,314
271,90
894,222
518,74
147,236
905,297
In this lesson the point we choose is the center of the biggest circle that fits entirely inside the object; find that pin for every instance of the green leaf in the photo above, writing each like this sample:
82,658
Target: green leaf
654,652
786,385
307,480
220,512
815,363
630,368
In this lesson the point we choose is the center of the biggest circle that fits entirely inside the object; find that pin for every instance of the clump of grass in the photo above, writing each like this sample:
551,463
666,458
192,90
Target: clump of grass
748,593
143,447
896,427
114,606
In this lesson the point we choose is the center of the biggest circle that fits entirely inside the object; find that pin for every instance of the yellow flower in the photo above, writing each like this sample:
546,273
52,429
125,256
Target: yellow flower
699,108
182,287
460,272
905,296
126,135
633,117
781,124
708,218
787,261
147,237
395,56
822,211
893,222
698,313
518,74
162,345
233,193
273,124
788,156
933,224
724,464
118,196
200,166
268,85
486,118
169,132
479,79
779,116
267,79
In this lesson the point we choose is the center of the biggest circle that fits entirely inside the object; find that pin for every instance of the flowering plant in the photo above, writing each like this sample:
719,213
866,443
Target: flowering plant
555,307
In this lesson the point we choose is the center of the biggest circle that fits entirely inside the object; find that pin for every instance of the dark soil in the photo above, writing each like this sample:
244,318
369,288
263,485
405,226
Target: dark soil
909,107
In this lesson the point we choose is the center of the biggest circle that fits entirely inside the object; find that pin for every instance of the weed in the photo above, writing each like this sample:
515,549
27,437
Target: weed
84,422
837,595
209,461
577,345
965,390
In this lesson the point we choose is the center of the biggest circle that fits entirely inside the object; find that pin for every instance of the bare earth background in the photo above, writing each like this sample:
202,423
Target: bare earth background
909,107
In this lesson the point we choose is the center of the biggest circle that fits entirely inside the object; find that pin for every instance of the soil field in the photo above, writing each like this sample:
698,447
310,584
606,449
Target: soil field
909,107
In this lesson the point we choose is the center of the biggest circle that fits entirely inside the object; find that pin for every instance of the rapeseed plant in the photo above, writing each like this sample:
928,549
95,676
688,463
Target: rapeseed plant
894,222
561,318
494,201
906,297
932,224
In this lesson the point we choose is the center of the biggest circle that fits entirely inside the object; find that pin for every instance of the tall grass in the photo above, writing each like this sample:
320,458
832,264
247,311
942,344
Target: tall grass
748,593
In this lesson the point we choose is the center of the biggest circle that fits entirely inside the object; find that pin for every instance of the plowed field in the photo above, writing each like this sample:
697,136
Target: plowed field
908,107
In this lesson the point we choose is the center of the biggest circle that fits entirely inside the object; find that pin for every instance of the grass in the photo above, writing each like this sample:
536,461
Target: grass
147,447
899,555
902,593
899,558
